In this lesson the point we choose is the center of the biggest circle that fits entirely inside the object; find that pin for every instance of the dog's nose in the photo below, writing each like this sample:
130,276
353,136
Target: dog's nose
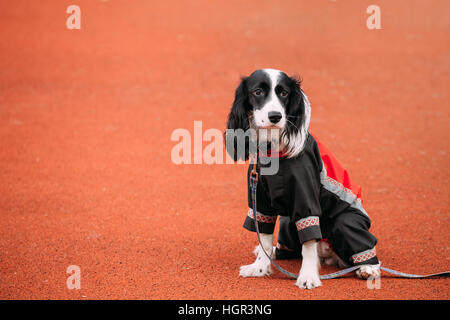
274,116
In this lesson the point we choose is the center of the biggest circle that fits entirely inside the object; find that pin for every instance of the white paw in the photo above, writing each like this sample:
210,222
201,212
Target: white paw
260,268
308,280
256,269
368,271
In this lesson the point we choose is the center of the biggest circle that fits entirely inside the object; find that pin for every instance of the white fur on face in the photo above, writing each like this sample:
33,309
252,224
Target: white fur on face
293,144
261,116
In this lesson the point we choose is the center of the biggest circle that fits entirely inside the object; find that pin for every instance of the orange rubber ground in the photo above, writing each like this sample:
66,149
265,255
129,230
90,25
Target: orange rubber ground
86,118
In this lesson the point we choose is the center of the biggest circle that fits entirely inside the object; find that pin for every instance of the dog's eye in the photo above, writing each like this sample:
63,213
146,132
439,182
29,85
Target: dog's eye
284,93
258,92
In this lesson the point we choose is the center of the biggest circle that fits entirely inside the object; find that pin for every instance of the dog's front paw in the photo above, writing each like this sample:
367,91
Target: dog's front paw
256,269
368,271
308,280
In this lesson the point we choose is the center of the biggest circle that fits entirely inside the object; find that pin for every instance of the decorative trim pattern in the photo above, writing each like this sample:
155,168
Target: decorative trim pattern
364,256
339,190
262,217
307,222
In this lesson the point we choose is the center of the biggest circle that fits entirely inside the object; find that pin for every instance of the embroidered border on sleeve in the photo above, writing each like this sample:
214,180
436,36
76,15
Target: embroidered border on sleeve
262,217
307,222
364,256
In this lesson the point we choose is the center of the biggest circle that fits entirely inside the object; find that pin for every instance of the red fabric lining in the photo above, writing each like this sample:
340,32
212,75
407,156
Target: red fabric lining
336,171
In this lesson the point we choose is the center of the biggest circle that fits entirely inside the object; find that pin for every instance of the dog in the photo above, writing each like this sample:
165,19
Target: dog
311,191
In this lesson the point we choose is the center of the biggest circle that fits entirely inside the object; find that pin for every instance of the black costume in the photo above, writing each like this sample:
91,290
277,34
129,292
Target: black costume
316,200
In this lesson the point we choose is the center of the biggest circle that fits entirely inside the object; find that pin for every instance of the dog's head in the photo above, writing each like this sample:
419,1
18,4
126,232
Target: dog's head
270,99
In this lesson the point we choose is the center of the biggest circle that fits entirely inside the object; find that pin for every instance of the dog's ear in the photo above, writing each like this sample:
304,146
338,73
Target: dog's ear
238,117
298,112
238,124
295,110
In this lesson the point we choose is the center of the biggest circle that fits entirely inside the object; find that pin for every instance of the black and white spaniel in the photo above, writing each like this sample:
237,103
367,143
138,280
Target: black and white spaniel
312,205
270,99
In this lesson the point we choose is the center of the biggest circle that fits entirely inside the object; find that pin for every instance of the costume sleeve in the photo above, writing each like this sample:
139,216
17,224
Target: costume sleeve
303,197
265,214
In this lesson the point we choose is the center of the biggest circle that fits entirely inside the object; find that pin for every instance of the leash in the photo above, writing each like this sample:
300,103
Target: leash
340,273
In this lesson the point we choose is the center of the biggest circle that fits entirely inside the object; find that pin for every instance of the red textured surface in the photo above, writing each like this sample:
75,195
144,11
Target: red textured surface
86,118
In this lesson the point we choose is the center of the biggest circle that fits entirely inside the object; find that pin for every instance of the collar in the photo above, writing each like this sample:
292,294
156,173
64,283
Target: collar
269,154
